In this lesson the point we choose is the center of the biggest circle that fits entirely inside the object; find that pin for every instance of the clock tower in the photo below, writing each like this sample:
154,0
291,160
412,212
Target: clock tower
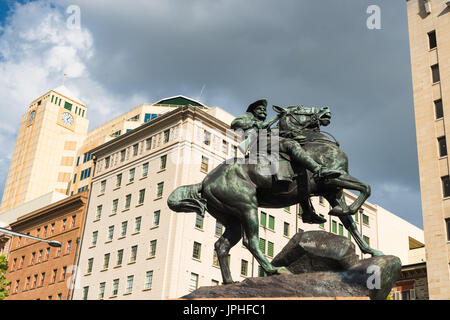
50,132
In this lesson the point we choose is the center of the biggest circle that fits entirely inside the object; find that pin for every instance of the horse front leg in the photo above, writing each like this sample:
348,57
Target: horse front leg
346,181
351,226
229,238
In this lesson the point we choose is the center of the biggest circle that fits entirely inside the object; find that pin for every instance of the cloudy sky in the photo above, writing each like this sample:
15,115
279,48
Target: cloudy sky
289,51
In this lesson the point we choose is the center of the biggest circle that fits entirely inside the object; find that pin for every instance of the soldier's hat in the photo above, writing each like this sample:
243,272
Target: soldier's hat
256,104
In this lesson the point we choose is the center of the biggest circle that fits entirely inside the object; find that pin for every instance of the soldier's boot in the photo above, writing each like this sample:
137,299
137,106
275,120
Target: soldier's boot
320,172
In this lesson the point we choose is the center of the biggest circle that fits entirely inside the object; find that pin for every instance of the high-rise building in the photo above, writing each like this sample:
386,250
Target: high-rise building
429,25
50,132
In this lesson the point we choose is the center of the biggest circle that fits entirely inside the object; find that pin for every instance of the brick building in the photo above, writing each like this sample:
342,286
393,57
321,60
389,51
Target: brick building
36,270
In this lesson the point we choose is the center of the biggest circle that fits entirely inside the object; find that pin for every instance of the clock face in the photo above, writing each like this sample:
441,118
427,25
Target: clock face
67,118
32,115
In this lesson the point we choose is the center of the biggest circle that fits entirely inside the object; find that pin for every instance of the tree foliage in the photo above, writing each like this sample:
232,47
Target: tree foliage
4,284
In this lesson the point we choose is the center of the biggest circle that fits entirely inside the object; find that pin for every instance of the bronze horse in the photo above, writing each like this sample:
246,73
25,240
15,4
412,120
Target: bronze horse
233,191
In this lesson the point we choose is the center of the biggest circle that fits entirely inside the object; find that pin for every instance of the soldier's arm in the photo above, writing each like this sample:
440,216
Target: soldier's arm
243,122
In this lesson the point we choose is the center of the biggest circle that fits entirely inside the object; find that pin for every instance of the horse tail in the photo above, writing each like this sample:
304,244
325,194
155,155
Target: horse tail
187,199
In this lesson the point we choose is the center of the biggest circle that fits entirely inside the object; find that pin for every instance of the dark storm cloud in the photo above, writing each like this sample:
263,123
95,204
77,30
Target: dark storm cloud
290,52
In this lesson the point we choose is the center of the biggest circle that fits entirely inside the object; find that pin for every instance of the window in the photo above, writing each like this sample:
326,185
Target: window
442,146
107,161
447,222
130,280
94,238
35,281
148,144
193,283
263,219
196,250
127,201
64,224
163,162
69,246
152,248
85,293
261,272
89,265
204,164
115,290
446,186
55,273
271,222
141,196
16,288
160,189
63,276
122,155
137,224
438,108
33,256
334,227
27,285
118,180
131,175
110,233
262,245
166,135
133,254
103,186
106,261
199,221
148,279
341,229
207,138
38,232
124,228
432,39
270,247
365,219
435,73
286,229
73,221
119,257
115,204
42,279
41,252
135,149
156,217
101,290
74,178
98,213
45,232
219,229
145,170
244,267
58,252
52,229
22,260
224,147
366,239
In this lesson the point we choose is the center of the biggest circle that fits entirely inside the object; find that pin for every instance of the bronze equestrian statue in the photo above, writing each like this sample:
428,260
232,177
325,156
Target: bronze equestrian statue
233,191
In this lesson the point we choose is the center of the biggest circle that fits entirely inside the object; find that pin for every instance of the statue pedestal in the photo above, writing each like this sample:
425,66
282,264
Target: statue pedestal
322,265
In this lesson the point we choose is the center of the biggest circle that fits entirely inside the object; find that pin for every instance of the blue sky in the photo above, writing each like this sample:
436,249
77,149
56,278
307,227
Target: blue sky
290,52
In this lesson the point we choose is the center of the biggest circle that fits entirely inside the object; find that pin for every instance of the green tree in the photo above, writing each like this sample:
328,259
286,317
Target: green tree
3,282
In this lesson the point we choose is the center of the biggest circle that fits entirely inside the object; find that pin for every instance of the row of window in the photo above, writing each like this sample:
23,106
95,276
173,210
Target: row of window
120,256
67,105
39,256
124,228
148,280
127,204
48,230
38,280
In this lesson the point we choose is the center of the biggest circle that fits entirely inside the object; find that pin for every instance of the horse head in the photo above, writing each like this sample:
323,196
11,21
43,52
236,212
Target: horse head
299,117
